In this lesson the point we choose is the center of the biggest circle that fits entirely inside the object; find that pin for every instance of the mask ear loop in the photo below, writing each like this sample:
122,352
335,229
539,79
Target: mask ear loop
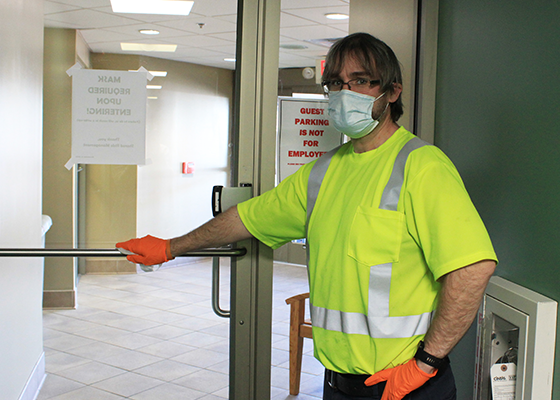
384,110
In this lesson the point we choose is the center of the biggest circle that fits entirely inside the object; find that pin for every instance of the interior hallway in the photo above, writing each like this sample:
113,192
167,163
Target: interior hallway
155,336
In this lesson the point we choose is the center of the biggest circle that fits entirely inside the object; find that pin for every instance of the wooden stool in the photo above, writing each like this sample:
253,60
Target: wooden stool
299,328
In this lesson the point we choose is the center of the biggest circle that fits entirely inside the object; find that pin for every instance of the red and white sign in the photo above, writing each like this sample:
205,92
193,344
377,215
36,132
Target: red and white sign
305,133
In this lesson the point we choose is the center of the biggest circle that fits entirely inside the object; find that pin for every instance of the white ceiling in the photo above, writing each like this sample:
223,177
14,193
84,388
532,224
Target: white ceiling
103,30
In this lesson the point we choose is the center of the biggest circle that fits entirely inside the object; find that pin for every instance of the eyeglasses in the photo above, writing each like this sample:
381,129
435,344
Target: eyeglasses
361,85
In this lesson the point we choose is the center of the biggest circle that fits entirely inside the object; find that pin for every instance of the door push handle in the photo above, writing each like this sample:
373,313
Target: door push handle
216,290
40,252
214,253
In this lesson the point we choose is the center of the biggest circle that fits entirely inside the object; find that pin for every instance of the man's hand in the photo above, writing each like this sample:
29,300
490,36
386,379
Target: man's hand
401,380
148,250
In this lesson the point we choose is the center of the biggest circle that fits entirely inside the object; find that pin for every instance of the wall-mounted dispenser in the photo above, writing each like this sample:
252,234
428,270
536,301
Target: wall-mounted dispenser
516,343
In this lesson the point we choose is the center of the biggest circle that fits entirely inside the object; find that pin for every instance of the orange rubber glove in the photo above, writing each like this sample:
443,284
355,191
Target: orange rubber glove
401,380
148,250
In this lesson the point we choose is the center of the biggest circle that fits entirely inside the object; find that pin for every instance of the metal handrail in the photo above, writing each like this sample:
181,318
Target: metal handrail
40,252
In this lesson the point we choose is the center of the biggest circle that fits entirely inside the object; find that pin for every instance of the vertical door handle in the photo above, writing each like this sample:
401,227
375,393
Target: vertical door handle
216,290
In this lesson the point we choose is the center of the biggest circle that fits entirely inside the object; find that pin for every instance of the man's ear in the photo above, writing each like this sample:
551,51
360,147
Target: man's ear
395,92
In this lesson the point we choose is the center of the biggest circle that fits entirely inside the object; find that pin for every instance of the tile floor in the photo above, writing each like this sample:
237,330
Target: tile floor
154,336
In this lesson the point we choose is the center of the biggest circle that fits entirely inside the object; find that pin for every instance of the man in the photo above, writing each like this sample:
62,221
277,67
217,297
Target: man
398,256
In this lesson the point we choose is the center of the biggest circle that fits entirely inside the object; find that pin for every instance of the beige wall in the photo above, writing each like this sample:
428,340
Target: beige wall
189,122
394,22
21,346
59,55
110,204
109,214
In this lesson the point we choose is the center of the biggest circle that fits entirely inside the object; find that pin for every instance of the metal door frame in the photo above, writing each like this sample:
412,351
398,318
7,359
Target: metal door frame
256,88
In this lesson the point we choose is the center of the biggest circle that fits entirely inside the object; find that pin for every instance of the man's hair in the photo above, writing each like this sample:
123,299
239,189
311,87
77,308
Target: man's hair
377,59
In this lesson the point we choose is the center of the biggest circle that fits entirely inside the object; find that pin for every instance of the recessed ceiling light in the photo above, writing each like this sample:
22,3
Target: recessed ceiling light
288,46
229,59
153,86
148,32
170,48
308,96
152,97
337,16
161,7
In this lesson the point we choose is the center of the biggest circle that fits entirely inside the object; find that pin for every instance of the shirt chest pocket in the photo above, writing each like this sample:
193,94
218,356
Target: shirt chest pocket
375,236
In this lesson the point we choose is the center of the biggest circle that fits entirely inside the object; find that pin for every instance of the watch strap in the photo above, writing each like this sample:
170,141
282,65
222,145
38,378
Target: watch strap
429,359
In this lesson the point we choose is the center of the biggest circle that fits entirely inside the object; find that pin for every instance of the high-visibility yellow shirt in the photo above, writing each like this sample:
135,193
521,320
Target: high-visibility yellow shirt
373,262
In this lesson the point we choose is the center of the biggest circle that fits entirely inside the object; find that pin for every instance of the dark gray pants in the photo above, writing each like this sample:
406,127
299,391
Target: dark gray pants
440,387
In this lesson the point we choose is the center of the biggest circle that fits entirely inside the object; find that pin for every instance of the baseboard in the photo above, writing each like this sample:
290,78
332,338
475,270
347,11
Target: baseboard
35,381
59,299
109,267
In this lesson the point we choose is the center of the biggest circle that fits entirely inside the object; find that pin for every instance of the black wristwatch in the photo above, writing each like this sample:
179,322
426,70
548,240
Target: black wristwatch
427,358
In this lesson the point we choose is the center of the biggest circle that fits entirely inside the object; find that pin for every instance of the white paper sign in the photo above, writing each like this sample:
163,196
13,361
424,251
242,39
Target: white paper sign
108,116
503,378
305,133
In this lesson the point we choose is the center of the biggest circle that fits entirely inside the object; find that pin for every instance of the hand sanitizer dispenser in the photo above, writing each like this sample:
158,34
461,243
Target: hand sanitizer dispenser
516,342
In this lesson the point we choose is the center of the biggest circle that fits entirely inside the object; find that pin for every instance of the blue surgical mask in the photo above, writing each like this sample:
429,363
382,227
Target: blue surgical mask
350,112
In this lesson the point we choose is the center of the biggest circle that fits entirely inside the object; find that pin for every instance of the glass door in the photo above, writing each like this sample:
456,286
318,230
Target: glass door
207,120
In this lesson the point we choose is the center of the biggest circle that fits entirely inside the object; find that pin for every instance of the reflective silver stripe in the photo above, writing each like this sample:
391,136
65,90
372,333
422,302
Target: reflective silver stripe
379,290
375,327
392,191
316,176
377,323
315,180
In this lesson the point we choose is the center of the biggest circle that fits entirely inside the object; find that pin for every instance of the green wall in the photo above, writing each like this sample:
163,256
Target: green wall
498,119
